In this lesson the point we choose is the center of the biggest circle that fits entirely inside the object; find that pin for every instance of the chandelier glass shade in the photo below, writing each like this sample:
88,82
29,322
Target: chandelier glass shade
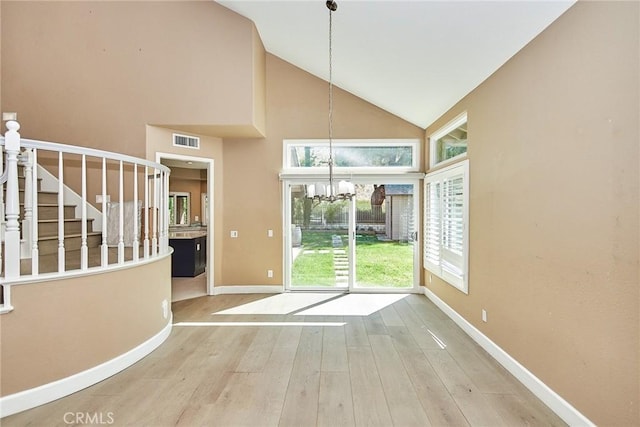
330,191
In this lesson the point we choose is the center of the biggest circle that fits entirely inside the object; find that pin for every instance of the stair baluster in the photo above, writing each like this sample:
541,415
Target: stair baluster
84,249
26,158
61,263
35,252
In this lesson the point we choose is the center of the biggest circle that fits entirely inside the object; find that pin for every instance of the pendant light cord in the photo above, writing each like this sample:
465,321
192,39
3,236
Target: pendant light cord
330,100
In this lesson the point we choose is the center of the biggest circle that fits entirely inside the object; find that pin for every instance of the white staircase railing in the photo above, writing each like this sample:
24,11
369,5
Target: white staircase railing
122,232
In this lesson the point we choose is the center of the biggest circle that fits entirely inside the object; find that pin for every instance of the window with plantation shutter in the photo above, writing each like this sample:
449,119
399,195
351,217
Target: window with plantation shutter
432,224
446,224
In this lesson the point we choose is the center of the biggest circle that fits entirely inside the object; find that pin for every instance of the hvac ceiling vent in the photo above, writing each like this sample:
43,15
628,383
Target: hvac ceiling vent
186,141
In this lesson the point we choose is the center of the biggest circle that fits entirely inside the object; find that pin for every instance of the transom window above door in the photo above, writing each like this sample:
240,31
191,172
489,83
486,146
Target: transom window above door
450,142
312,155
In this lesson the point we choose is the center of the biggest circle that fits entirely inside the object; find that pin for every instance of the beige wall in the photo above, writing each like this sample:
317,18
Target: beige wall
189,181
4,128
296,108
553,149
76,324
95,73
259,82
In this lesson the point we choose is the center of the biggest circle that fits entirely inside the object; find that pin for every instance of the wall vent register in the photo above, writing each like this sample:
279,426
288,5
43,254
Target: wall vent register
186,141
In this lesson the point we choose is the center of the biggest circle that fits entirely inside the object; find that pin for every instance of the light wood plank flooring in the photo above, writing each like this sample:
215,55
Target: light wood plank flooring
188,287
404,364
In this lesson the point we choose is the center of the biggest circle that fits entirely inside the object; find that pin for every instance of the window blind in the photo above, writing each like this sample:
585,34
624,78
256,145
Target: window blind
432,224
446,218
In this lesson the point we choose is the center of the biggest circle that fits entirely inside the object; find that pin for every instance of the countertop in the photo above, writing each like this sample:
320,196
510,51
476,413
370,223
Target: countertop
187,234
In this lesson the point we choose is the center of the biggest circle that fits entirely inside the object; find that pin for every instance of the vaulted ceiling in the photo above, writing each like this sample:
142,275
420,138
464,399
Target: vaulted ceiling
415,59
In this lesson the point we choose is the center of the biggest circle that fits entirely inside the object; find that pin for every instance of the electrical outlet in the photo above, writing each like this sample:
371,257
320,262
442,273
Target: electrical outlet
234,234
484,315
269,273
165,308
269,233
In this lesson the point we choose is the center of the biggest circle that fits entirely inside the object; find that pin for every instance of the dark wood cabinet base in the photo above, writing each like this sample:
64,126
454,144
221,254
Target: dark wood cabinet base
189,256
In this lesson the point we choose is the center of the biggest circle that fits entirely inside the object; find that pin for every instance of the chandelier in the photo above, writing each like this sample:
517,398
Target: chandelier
329,191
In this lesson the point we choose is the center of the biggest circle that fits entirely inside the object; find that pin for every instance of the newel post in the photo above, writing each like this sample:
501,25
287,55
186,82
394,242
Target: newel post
12,203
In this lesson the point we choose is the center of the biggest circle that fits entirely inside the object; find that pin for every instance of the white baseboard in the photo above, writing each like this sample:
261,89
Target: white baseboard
37,396
220,290
557,404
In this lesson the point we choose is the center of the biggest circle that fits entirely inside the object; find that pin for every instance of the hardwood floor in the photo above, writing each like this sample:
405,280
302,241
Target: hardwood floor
402,364
188,287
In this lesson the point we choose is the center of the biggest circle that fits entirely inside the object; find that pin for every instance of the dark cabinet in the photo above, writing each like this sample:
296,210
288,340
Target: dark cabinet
189,256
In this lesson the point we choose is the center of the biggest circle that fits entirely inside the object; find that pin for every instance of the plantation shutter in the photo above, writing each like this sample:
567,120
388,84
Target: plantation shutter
453,225
432,227
446,216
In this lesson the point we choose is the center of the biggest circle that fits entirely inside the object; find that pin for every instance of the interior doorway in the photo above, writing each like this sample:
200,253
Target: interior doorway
201,218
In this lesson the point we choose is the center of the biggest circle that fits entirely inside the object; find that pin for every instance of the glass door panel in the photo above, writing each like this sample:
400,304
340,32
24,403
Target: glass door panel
319,252
385,236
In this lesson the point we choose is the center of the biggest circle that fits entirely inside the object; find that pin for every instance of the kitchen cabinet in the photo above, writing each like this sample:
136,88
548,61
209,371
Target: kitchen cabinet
189,253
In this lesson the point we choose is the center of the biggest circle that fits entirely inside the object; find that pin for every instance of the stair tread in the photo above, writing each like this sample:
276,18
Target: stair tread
67,236
52,204
21,190
66,219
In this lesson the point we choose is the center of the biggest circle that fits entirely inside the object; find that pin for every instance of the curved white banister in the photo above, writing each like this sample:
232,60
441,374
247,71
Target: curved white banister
115,228
73,149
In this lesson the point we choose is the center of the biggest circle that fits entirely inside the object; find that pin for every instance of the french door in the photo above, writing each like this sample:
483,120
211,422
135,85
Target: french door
364,244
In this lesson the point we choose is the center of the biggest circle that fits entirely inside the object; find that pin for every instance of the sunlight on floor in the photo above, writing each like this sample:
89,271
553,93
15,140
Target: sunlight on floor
281,303
318,304
353,305
307,324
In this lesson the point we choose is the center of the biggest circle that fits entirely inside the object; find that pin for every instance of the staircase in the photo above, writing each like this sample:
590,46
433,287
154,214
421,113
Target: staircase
48,232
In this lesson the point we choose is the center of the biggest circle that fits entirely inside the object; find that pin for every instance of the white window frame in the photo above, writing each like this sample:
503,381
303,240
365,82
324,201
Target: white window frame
433,149
437,259
415,144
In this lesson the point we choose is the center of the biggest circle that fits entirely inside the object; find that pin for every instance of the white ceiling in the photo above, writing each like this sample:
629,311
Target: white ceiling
415,59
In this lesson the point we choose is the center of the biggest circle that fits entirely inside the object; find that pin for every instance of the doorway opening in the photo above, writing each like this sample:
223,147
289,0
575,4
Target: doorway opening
193,176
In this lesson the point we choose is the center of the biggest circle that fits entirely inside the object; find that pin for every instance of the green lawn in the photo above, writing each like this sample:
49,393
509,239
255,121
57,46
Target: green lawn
379,263
314,265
